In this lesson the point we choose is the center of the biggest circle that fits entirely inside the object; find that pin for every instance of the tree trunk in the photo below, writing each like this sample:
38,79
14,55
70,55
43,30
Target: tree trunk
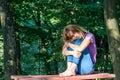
113,35
10,55
18,64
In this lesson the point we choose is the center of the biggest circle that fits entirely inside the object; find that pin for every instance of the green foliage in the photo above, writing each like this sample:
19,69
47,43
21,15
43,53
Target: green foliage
40,24
1,55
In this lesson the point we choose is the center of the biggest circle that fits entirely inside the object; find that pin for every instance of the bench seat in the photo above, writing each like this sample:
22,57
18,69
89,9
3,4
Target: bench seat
57,77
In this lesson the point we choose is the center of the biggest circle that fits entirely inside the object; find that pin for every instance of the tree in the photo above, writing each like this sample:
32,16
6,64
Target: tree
10,53
113,34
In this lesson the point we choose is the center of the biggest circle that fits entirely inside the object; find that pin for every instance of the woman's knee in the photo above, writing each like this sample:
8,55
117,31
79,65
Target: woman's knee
69,58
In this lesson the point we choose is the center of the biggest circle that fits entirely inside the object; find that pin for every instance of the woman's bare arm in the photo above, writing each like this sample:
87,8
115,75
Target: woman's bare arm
65,52
82,46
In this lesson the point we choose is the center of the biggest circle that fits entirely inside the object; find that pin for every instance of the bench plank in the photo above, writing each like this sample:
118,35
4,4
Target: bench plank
57,77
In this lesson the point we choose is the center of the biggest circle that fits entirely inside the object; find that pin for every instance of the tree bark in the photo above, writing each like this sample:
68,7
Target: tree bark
113,34
10,53
18,63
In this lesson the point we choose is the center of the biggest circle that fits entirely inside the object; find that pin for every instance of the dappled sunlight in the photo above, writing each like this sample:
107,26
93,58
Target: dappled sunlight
2,17
39,25
112,27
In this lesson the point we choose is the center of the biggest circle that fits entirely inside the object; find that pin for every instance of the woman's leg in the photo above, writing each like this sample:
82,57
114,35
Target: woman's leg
69,63
86,65
71,71
72,65
72,61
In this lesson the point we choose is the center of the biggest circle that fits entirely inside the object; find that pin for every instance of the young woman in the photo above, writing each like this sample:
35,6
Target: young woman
80,49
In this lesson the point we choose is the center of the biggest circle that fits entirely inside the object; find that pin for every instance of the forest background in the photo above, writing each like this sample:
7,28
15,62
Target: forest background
33,30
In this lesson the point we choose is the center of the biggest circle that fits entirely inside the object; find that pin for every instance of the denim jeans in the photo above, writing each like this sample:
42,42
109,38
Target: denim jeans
85,65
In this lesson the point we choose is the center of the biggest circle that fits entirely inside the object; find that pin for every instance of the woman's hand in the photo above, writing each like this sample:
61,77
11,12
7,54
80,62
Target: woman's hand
67,44
82,46
76,54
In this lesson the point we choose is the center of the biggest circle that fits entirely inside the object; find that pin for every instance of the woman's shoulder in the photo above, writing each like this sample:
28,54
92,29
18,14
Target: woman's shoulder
88,34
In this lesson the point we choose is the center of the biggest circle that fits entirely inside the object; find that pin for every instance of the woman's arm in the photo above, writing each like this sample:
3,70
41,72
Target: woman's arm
67,52
82,46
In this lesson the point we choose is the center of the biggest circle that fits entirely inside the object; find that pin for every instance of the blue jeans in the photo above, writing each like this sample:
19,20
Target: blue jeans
85,64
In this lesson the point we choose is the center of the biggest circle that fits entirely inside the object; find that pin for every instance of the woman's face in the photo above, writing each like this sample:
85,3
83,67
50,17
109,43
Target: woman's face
76,36
71,36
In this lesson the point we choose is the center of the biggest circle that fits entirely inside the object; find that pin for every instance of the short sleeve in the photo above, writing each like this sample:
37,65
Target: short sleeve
90,35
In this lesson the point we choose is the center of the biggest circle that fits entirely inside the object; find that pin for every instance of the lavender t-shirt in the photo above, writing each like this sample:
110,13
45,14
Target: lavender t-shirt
92,46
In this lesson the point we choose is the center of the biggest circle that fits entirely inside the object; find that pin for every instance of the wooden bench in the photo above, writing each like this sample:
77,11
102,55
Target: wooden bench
105,76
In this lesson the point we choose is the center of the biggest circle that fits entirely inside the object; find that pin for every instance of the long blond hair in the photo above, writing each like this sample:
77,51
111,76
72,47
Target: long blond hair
69,30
